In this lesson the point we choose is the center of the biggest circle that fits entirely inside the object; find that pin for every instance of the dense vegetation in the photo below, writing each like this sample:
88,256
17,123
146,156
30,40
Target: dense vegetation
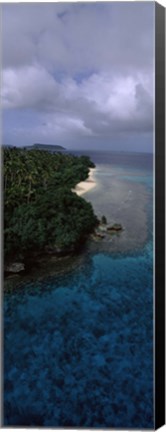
41,211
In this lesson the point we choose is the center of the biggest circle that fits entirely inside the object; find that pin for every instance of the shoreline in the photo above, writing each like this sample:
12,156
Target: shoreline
86,185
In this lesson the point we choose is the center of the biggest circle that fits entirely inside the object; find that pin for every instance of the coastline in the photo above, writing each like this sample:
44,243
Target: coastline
86,185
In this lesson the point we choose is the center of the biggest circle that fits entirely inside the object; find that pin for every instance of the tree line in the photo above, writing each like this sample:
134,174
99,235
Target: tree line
40,210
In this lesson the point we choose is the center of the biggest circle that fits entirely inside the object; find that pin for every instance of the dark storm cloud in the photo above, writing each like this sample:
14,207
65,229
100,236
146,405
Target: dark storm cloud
84,69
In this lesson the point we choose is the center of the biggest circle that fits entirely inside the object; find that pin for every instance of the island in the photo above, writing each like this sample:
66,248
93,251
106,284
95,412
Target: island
42,213
49,147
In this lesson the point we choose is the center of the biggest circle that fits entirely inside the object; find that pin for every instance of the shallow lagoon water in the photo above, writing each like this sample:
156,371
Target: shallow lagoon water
79,346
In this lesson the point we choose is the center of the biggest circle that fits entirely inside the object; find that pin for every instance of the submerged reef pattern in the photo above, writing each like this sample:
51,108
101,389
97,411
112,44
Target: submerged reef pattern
79,347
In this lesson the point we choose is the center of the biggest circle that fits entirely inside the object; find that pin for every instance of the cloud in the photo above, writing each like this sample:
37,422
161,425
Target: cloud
72,37
27,87
99,104
82,69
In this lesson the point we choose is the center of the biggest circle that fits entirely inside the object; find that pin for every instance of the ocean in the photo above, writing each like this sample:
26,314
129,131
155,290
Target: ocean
78,344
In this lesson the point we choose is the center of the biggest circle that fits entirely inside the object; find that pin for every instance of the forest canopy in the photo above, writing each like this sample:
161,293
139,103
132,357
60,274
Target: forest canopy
40,210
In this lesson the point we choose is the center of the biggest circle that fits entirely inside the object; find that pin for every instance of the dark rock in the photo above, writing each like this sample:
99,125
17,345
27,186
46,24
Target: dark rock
115,228
97,235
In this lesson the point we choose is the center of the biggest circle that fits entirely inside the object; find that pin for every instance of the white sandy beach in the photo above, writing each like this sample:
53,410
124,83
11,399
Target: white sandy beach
84,186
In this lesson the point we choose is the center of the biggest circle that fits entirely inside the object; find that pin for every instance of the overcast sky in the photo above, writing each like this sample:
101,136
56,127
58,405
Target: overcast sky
78,75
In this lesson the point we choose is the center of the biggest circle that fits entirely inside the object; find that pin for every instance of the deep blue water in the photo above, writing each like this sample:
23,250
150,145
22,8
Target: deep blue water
78,347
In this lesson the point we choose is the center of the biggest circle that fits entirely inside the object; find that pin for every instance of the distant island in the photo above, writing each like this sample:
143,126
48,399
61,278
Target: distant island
37,146
42,213
48,147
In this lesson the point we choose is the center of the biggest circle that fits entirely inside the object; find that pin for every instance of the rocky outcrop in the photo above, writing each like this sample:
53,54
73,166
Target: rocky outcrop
102,228
114,228
15,268
103,231
97,235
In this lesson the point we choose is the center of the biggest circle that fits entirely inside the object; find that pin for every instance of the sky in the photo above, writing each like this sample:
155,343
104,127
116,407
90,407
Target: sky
80,75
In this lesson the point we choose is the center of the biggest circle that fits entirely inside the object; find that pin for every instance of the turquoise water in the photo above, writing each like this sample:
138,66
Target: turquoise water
79,346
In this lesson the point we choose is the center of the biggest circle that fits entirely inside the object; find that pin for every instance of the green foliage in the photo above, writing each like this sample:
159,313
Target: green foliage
40,209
